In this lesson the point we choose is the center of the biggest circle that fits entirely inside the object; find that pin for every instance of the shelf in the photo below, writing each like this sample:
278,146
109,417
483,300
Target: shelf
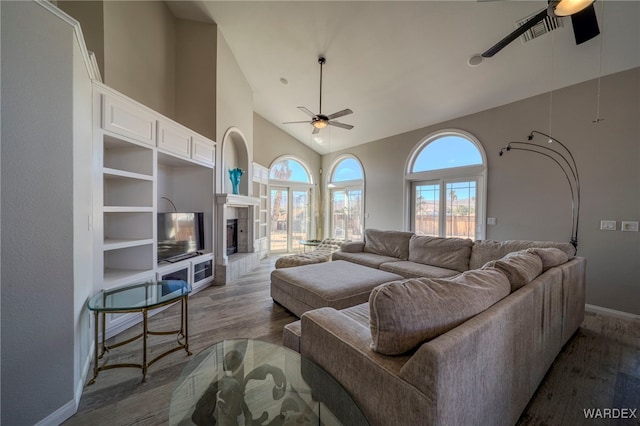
127,209
127,258
116,244
122,174
126,156
113,275
122,190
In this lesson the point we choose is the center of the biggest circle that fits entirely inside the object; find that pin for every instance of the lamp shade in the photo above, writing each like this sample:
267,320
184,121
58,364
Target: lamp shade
569,7
320,123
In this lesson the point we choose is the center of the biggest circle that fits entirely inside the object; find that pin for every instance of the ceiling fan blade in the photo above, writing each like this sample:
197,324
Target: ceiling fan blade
341,125
340,114
515,34
306,111
296,122
585,24
315,130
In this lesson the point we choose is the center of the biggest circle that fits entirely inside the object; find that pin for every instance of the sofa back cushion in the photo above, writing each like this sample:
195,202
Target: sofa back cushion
449,253
387,243
484,251
520,267
550,256
405,314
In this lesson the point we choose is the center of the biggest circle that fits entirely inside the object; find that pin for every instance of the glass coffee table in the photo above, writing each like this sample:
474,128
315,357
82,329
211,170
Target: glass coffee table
251,382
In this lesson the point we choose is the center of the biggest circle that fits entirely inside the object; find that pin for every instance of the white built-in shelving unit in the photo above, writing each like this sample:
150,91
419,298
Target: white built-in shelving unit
260,188
142,158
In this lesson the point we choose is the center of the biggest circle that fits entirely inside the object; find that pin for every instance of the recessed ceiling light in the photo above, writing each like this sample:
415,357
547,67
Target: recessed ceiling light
475,60
284,81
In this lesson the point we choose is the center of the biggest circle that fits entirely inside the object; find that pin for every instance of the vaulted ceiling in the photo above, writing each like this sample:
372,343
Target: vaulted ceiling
400,65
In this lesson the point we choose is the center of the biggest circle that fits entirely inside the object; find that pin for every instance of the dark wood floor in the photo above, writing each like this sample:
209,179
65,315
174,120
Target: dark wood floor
598,368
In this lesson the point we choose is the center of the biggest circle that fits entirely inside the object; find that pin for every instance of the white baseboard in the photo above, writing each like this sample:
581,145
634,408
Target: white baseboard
60,415
611,312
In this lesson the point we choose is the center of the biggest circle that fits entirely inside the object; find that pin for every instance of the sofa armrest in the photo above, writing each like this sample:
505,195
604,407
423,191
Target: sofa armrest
352,247
340,345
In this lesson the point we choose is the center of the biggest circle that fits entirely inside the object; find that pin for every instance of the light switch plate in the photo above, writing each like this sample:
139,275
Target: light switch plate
607,225
491,221
629,226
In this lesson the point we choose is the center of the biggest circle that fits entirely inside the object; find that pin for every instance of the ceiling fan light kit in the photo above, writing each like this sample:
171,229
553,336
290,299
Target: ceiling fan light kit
583,20
319,120
568,7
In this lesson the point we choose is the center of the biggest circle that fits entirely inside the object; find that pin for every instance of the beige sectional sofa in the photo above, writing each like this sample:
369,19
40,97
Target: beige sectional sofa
469,348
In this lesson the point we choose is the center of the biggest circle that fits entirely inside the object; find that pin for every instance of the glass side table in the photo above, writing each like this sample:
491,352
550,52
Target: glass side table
139,298
309,243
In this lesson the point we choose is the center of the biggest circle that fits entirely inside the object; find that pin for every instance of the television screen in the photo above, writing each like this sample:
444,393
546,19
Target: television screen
179,234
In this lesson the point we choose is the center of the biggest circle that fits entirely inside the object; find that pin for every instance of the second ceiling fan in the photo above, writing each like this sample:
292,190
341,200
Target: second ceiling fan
319,120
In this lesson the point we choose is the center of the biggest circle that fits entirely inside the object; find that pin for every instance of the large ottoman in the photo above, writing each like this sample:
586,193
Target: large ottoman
338,284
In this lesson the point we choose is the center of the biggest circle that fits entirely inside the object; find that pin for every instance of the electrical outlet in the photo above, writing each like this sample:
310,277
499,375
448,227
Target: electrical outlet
607,225
629,226
491,221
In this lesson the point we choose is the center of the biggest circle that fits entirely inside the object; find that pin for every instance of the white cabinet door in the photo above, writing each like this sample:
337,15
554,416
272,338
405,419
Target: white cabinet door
174,139
202,151
124,118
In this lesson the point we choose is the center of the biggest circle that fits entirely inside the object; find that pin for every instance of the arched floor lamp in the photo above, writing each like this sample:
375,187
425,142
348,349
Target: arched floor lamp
565,161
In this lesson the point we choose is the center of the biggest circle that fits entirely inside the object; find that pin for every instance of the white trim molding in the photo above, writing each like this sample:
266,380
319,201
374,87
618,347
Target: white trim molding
94,73
611,312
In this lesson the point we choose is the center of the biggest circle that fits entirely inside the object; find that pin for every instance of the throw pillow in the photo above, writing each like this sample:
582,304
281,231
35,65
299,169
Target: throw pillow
520,267
404,314
387,243
450,253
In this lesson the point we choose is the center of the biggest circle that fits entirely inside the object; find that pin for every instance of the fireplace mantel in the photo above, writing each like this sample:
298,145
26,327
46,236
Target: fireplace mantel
235,200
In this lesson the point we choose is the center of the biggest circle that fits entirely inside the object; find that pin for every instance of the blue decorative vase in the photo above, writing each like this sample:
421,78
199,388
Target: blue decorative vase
234,176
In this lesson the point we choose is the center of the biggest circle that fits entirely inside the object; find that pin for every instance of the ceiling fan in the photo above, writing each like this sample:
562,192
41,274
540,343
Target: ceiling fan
319,120
583,20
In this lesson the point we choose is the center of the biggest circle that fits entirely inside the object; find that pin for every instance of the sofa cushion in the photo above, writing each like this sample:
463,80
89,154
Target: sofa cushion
352,247
387,243
449,253
520,267
371,260
404,314
484,251
417,270
550,256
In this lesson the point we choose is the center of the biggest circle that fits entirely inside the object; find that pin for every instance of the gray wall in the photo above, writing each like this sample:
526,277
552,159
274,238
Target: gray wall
196,51
269,143
90,14
139,50
234,108
527,193
44,285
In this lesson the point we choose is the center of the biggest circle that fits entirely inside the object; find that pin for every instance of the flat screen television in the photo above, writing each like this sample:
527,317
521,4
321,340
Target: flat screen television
180,235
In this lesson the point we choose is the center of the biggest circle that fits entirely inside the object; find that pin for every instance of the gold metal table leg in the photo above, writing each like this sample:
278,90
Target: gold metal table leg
95,355
145,332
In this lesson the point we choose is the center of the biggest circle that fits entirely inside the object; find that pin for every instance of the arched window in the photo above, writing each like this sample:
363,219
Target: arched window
447,174
346,199
291,195
289,169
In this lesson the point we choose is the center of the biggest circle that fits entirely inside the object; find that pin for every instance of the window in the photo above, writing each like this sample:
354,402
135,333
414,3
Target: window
447,176
346,199
291,192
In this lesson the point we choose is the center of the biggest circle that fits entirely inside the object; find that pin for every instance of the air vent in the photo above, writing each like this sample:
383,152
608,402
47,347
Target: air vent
543,27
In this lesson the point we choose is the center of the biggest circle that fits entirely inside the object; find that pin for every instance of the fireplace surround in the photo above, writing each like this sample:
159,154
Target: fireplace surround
238,208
